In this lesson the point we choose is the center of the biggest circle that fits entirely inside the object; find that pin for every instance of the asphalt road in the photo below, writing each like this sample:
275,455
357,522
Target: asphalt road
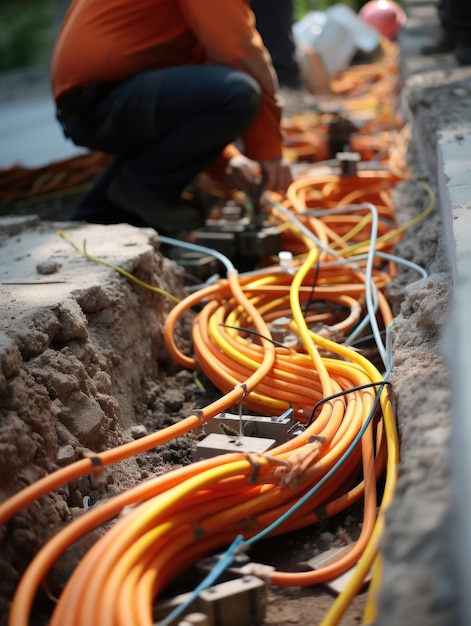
30,136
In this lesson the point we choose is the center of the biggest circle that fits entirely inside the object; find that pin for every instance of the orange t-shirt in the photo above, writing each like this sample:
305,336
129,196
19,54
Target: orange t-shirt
109,40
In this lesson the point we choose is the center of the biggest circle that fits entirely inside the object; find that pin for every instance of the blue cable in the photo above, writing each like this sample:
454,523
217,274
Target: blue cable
202,249
221,565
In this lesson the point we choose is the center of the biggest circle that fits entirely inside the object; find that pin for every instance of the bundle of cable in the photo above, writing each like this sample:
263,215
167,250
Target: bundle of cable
184,514
229,337
347,439
371,81
343,214
49,181
362,108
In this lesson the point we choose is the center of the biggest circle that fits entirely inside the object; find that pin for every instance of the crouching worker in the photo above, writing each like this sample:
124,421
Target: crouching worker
167,87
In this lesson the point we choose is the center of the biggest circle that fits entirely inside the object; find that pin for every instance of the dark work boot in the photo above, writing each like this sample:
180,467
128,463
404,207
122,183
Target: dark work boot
169,215
446,43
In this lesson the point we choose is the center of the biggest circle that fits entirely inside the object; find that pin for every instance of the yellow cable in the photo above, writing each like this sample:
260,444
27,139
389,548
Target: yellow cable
118,269
371,552
186,513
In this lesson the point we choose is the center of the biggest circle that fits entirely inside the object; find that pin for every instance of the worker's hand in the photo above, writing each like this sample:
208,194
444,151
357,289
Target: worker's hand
242,173
276,175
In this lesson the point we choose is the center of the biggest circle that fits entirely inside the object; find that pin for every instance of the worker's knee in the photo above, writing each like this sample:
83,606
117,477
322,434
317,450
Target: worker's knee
243,97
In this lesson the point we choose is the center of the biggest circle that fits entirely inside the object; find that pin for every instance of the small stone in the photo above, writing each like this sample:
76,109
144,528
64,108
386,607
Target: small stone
65,455
327,537
48,267
138,431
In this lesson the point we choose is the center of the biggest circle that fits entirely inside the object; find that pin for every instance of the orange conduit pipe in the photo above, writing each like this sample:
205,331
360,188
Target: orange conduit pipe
99,460
90,520
89,613
295,460
117,531
186,513
292,383
298,469
98,512
101,622
293,373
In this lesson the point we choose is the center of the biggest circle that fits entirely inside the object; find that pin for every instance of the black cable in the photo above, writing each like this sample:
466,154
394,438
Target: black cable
343,393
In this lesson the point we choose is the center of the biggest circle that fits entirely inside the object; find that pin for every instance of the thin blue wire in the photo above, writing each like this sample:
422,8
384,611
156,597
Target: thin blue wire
203,249
221,565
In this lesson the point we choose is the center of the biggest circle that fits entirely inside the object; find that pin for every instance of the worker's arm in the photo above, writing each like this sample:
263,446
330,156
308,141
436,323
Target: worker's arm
226,30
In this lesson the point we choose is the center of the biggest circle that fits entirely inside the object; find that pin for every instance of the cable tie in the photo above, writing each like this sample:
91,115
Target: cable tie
243,547
96,461
254,474
318,438
282,467
128,508
198,531
249,523
260,570
321,512
276,460
243,386
228,431
199,413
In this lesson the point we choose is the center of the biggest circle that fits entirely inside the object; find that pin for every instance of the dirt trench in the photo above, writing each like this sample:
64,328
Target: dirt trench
84,368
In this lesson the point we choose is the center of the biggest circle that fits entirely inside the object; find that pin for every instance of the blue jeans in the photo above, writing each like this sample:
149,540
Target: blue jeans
164,126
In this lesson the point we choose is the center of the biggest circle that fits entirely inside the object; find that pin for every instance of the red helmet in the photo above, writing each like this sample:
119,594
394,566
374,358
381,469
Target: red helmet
384,15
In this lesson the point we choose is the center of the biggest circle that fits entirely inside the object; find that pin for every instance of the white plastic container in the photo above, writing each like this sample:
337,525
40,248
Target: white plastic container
335,35
366,37
332,41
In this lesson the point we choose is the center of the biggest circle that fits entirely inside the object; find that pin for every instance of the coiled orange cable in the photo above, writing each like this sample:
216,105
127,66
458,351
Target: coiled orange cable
187,513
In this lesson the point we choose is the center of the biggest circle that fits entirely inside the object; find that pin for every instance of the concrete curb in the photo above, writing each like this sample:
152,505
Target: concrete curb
437,98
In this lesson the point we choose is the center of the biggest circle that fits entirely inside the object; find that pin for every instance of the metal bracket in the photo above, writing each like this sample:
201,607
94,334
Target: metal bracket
237,602
276,427
339,583
215,444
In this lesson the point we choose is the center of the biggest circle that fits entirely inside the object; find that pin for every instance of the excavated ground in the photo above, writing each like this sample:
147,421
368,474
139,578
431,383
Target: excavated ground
83,367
